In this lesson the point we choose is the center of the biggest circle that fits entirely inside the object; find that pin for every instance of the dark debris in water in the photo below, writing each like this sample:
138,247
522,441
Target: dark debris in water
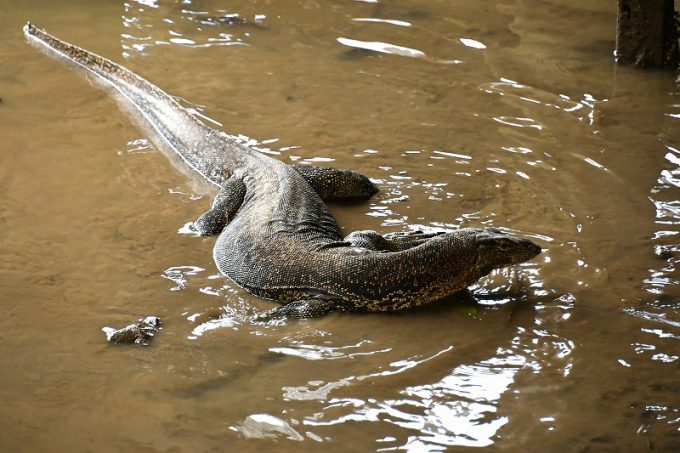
141,332
229,20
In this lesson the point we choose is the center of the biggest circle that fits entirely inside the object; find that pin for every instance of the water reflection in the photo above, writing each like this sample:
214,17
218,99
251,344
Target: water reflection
179,274
585,109
472,43
382,47
150,23
399,23
666,244
138,146
323,352
262,426
461,409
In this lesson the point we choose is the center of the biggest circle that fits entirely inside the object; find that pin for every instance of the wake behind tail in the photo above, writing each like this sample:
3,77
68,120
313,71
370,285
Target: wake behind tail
188,137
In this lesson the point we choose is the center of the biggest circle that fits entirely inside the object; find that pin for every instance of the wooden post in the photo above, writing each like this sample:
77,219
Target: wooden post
646,33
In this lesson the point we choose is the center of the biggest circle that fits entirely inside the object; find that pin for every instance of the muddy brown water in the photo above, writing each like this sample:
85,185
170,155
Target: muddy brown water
508,113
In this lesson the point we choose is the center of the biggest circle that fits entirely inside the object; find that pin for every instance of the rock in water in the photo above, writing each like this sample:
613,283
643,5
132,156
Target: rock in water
141,332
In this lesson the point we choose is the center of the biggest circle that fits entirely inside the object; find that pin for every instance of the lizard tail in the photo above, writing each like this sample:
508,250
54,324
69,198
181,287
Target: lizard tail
196,143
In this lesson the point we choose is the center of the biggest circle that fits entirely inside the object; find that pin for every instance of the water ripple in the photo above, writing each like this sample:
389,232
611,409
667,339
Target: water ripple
178,275
263,426
168,24
319,352
458,410
399,23
382,47
663,195
518,122
392,49
472,43
584,109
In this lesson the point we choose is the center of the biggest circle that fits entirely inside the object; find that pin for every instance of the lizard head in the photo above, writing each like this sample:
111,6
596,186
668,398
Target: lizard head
496,249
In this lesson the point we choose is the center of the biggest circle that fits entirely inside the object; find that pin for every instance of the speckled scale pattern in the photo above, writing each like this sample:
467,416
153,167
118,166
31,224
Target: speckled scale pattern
282,242
360,279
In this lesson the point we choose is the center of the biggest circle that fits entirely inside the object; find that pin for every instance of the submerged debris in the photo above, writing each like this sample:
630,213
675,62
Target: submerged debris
233,19
141,332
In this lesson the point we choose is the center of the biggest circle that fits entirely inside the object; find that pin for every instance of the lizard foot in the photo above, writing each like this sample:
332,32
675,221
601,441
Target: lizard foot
299,309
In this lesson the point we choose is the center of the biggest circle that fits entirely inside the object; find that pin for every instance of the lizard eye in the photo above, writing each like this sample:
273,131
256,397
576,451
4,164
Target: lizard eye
505,244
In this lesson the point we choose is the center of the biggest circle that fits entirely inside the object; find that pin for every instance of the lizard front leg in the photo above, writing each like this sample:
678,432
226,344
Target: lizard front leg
391,242
224,207
299,309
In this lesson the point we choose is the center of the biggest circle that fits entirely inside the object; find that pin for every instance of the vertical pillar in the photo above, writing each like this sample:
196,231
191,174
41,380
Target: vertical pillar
646,33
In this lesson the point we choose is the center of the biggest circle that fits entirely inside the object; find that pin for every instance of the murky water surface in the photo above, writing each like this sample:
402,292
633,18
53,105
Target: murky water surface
505,113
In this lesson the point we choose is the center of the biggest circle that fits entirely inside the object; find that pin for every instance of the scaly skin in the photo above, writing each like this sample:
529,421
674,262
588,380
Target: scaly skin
278,240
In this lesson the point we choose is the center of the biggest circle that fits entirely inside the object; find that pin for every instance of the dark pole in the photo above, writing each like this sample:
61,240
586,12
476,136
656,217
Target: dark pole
647,34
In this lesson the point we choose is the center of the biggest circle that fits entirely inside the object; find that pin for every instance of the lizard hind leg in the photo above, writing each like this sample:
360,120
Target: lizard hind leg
299,309
368,239
223,208
336,183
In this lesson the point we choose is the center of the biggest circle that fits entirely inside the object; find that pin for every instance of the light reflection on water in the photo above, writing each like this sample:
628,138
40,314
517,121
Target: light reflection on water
460,409
584,110
189,28
666,245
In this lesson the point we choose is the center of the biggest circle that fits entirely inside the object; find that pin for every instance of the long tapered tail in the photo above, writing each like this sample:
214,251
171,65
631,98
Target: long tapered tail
197,144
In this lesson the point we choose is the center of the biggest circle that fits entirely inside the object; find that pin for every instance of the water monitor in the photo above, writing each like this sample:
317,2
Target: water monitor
276,237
